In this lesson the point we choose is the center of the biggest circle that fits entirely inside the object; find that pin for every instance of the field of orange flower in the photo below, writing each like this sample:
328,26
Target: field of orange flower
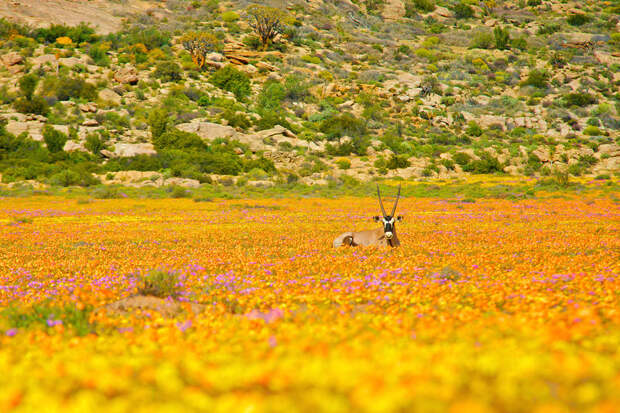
492,305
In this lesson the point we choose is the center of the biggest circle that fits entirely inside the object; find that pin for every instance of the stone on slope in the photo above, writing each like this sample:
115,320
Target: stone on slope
125,150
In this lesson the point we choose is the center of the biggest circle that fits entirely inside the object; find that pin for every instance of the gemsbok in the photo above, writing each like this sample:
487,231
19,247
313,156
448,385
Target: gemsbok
386,235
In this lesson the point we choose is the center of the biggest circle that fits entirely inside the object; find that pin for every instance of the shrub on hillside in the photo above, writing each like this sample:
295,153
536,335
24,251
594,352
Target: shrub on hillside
579,99
73,177
537,78
578,19
424,5
502,38
482,40
473,129
232,80
37,105
397,162
345,124
158,121
78,34
168,72
463,11
178,139
54,139
27,85
485,165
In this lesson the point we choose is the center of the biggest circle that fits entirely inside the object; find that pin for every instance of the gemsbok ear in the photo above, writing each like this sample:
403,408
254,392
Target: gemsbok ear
376,218
399,218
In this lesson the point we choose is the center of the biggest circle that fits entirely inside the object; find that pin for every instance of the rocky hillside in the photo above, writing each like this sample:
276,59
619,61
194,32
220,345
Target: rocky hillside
118,91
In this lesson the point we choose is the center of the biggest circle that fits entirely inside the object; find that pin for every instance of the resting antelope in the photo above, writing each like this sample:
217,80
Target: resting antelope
380,236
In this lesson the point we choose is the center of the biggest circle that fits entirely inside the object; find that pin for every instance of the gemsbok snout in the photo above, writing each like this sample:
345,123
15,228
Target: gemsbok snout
386,235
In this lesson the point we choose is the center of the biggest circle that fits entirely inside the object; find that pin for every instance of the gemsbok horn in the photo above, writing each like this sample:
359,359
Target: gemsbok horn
386,235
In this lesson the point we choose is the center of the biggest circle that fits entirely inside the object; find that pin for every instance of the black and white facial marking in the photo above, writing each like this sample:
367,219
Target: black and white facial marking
388,224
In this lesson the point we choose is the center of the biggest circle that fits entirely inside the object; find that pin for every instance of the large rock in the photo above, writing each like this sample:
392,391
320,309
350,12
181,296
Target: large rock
12,59
43,60
184,182
33,128
109,95
72,146
125,150
609,149
208,130
127,74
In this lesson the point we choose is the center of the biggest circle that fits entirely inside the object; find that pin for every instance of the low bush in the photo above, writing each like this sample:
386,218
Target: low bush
463,11
168,72
578,19
54,139
579,99
232,80
159,283
537,78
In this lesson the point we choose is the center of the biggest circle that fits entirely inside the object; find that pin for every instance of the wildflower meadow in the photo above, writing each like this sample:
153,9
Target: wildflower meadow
492,305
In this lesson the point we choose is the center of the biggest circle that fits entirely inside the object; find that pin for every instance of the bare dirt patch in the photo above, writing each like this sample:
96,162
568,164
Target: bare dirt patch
165,307
104,15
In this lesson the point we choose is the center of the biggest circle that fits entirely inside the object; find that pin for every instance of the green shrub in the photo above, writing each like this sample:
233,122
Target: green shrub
78,34
461,158
592,131
463,11
99,55
179,192
424,5
168,72
37,105
537,78
230,16
65,88
343,163
502,38
158,121
236,119
232,80
579,99
178,139
473,129
578,19
159,283
549,28
94,143
271,96
72,177
485,165
397,162
27,85
345,124
482,40
54,139
297,88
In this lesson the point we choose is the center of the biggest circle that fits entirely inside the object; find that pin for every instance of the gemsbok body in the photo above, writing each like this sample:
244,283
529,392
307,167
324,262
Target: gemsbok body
386,235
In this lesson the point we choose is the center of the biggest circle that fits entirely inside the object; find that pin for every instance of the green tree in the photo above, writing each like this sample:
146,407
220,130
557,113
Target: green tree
267,22
54,139
199,45
232,80
158,122
27,85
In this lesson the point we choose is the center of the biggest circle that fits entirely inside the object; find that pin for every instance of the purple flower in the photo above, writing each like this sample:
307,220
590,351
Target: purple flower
184,326
52,323
11,332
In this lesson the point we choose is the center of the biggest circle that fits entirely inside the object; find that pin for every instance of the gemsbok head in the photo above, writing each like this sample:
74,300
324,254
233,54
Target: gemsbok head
386,235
